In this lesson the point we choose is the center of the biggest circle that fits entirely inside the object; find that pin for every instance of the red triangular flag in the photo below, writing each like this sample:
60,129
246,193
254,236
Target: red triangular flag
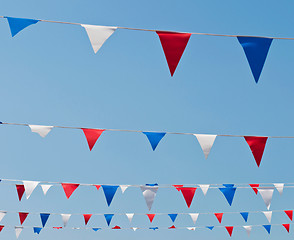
116,227
178,187
172,227
97,186
289,214
188,194
22,217
219,217
57,227
20,190
69,188
150,216
257,145
287,226
1,227
173,45
254,187
92,135
230,230
87,218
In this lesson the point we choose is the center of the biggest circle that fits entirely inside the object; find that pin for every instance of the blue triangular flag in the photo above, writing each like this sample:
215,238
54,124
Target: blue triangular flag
173,216
244,215
228,185
229,193
153,228
108,218
256,50
18,24
96,229
267,228
154,138
109,192
210,227
37,230
44,218
151,184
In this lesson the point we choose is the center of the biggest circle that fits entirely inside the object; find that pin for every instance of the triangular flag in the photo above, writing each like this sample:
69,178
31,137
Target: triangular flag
98,35
266,194
254,187
69,188
230,230
268,215
188,194
97,187
149,193
173,45
2,215
134,228
87,218
279,187
109,192
210,227
153,228
229,193
18,24
1,228
267,228
20,190
248,229
206,141
178,187
191,228
116,227
130,216
257,145
37,230
172,227
65,218
123,188
154,138
96,229
18,231
41,130
61,228
289,214
194,217
92,135
219,217
30,187
173,216
256,50
151,217
22,217
44,218
204,188
245,215
287,226
45,188
108,218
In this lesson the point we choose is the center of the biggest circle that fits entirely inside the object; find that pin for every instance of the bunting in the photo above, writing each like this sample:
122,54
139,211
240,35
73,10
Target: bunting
92,136
279,187
37,230
87,218
30,187
130,216
188,194
229,193
254,187
69,188
268,215
109,192
2,215
41,130
173,216
219,217
18,230
267,228
65,218
257,145
151,217
245,215
206,141
123,188
289,213
266,194
108,218
248,229
44,218
194,217
287,227
149,193
22,217
204,188
45,188
18,24
154,138
230,230
20,190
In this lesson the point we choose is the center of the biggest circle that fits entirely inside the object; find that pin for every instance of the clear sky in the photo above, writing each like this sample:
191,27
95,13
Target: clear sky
51,76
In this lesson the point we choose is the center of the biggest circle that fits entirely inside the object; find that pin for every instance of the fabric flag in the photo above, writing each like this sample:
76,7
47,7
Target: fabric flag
130,216
123,188
154,138
18,231
194,217
2,215
230,230
97,187
173,45
30,187
61,228
37,230
210,227
109,192
44,218
256,50
279,187
92,136
245,215
289,213
96,229
188,194
266,194
22,217
191,228
178,187
248,229
69,188
45,188
108,218
153,228
134,228
173,216
206,141
172,227
267,228
116,227
41,130
204,188
149,193
20,190
98,35
219,217
18,24
257,145
268,215
87,218
65,218
229,193
254,187
151,217
1,228
287,226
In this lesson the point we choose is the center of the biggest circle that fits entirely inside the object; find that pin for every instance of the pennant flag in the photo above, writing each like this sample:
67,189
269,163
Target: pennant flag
18,231
69,188
229,193
45,188
2,215
20,190
151,217
267,228
1,228
219,217
22,217
30,187
289,213
228,185
279,187
41,130
287,226
178,187
210,227
123,188
191,228
87,218
154,138
194,217
92,135
109,192
134,228
230,230
173,45
268,215
37,230
188,194
245,215
96,229
266,194
97,187
254,187
172,227
108,218
173,216
204,188
98,35
206,141
116,227
44,218
153,228
257,145
248,229
65,218
130,216
18,24
60,228
149,193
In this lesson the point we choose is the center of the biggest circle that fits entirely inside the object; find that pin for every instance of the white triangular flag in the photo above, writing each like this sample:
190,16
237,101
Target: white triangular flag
279,187
194,216
130,216
45,188
149,193
98,35
18,231
30,187
65,218
191,228
134,228
206,141
2,215
41,130
268,215
123,188
248,229
267,195
204,188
